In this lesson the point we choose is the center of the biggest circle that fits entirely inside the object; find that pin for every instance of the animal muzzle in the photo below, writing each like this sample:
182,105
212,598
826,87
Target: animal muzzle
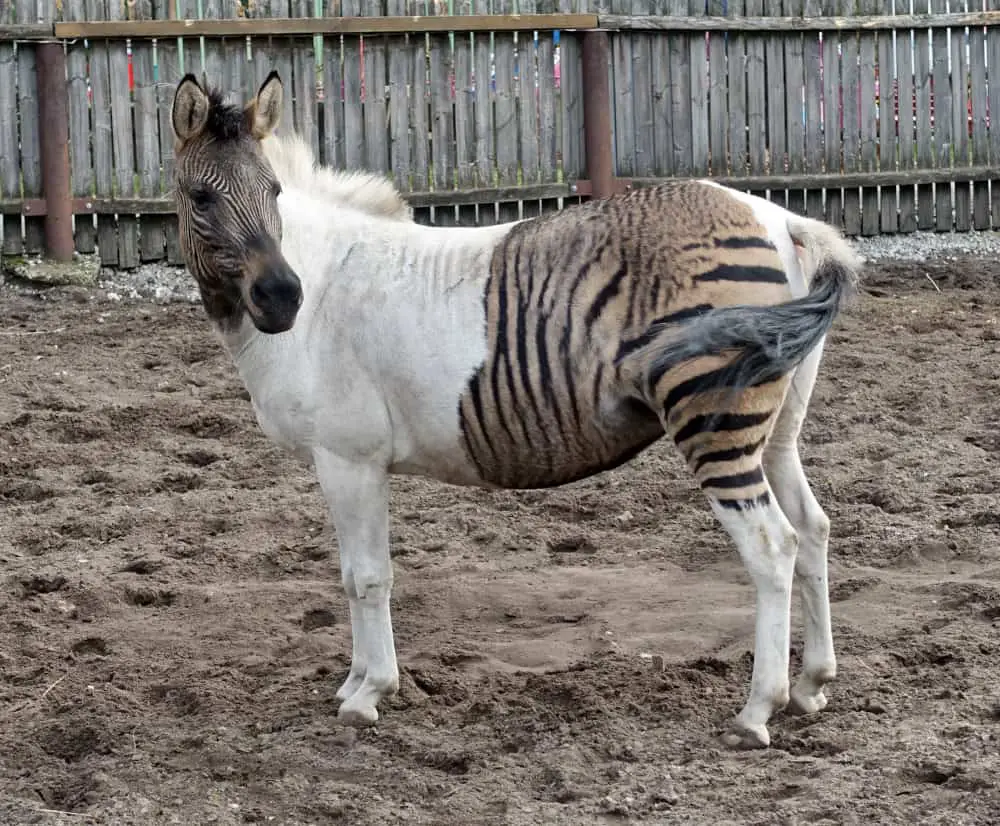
274,297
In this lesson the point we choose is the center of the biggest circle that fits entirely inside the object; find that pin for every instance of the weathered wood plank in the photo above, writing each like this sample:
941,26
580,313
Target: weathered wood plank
465,116
527,106
960,121
993,58
506,112
794,82
718,108
570,101
736,45
698,56
756,96
888,141
122,137
419,105
944,139
101,144
868,50
679,58
777,106
304,85
80,164
924,130
905,50
832,116
850,85
333,100
622,95
442,114
152,238
27,108
354,128
548,124
830,23
812,56
399,78
980,152
10,155
168,58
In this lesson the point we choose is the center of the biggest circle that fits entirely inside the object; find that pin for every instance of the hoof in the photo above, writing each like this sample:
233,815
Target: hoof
358,716
740,737
803,702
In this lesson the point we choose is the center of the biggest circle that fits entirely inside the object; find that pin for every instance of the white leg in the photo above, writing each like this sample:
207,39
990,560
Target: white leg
767,543
358,498
786,476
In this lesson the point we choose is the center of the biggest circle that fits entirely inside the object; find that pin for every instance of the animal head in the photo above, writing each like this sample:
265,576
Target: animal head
227,206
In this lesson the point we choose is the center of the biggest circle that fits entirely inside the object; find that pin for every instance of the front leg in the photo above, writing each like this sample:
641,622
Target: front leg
357,494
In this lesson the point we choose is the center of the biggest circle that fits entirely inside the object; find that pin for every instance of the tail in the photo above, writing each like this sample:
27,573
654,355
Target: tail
770,341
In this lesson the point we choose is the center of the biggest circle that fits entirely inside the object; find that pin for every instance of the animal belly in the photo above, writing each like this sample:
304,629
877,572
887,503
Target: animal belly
517,447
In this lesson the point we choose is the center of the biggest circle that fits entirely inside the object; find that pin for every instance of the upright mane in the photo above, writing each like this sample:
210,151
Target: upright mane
291,157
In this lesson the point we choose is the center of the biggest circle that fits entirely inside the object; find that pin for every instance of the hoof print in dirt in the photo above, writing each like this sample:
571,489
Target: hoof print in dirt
40,584
91,647
318,618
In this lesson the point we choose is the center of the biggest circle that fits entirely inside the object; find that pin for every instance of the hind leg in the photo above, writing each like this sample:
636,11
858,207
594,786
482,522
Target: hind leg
767,543
786,476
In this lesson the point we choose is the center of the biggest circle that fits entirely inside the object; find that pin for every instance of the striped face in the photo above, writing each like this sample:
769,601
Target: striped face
227,207
575,305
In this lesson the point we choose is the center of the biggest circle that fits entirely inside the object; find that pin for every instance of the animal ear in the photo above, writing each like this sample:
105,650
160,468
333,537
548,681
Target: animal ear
264,111
190,109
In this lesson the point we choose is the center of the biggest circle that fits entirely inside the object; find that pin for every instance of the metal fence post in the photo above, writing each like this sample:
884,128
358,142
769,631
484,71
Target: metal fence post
599,160
53,108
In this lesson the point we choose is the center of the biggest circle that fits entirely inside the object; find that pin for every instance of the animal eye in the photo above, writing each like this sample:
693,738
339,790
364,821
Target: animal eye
202,198
276,189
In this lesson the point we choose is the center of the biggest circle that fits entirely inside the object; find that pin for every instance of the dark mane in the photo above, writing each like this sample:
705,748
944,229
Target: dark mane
226,121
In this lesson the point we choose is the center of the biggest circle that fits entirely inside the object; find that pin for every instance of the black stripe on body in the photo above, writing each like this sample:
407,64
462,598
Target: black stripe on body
736,480
744,504
719,422
727,455
748,243
737,272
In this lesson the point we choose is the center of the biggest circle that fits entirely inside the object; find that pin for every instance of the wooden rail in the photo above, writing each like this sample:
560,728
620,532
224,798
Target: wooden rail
862,23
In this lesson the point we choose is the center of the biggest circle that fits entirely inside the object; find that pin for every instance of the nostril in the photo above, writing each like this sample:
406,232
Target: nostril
275,289
258,294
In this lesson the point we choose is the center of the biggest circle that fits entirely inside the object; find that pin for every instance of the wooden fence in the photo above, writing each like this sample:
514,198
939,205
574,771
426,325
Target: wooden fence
872,113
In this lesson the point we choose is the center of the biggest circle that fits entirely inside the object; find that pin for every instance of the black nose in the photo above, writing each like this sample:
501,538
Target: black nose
276,291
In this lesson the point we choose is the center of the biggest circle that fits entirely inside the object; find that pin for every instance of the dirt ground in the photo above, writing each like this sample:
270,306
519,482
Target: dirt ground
172,628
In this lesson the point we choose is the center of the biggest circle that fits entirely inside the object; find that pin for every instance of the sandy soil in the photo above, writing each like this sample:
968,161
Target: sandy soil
172,628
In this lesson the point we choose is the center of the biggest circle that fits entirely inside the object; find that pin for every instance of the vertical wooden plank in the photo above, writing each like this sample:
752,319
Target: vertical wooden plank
333,100
465,123
832,117
943,134
485,149
101,148
527,104
869,115
960,119
993,80
80,163
795,106
376,157
169,72
923,116
736,47
354,127
850,89
152,238
123,141
812,67
679,58
304,85
506,111
777,104
27,109
718,94
547,121
442,115
698,52
570,100
888,140
906,48
756,95
10,155
399,79
980,132
419,107
622,95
